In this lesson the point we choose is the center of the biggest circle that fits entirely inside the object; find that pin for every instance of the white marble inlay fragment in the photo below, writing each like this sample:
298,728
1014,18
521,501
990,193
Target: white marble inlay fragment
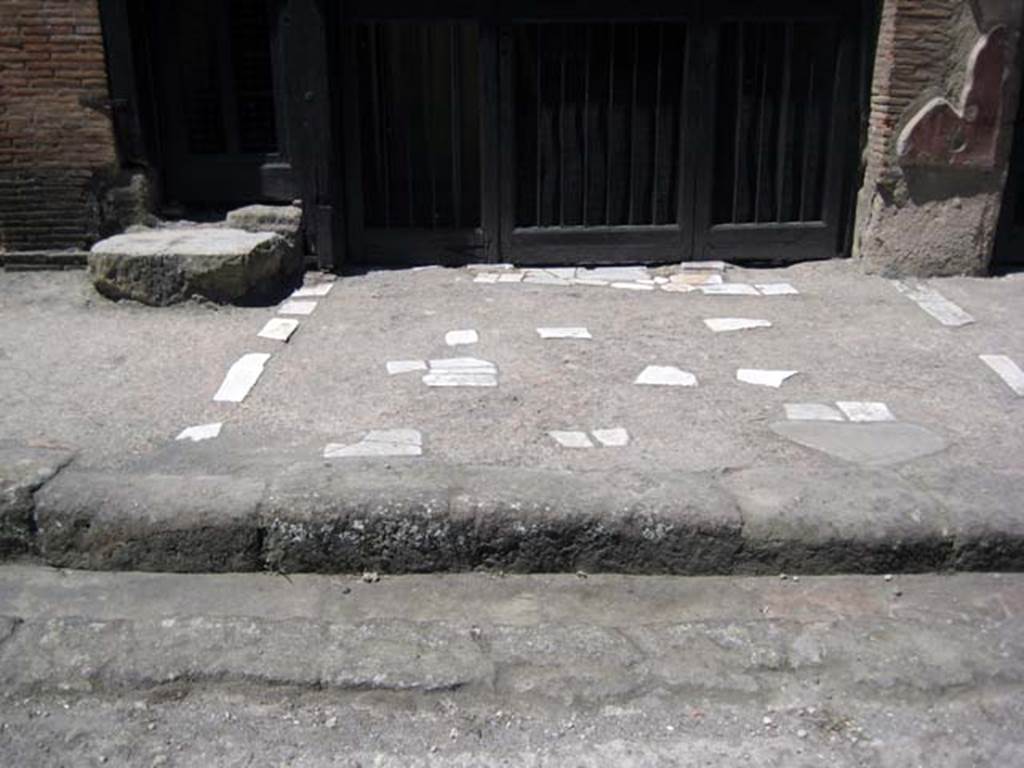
762,377
1007,370
635,286
487,277
279,329
486,267
571,439
541,278
379,442
293,307
703,266
201,432
729,289
511,277
776,289
241,377
396,367
317,290
459,338
614,274
935,304
462,364
564,333
460,379
726,324
678,288
666,376
611,438
812,412
861,411
590,281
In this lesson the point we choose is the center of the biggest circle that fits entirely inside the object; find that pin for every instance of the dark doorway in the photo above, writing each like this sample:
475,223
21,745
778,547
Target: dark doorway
1008,253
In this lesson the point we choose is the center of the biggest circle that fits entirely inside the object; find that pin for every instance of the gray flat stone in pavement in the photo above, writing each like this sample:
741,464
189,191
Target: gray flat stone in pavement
476,670
878,445
23,470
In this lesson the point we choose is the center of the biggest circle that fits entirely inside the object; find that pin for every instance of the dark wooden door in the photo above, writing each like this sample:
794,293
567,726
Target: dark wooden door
222,120
1008,253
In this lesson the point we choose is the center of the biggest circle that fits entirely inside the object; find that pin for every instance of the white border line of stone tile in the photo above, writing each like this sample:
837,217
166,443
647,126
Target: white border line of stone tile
859,411
616,437
201,432
665,376
635,286
776,289
462,337
763,377
379,442
571,439
396,367
241,378
935,304
1007,370
729,289
317,290
812,412
279,329
564,333
292,307
727,324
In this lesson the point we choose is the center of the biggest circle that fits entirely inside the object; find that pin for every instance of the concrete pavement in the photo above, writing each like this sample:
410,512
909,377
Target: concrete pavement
155,669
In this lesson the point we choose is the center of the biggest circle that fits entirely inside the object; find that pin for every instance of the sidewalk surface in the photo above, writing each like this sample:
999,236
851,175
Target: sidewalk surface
714,478
477,670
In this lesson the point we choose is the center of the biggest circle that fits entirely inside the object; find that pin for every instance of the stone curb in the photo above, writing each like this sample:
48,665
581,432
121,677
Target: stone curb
415,517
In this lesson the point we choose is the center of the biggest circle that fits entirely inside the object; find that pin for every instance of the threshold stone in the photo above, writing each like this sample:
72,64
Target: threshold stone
167,266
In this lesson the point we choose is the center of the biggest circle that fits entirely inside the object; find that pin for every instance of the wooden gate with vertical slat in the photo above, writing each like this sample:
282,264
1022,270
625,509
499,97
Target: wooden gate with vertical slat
560,132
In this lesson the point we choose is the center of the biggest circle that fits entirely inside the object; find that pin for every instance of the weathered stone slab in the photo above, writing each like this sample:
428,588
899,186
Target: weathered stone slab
166,266
283,220
23,470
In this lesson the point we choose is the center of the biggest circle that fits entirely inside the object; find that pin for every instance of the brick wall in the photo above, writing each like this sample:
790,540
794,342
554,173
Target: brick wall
56,140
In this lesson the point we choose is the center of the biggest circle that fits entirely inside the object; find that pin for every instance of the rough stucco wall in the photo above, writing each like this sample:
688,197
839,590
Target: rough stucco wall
56,141
929,221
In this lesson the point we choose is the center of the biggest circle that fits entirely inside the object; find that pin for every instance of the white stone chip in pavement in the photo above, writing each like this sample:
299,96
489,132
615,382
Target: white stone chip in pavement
762,377
729,289
611,438
703,266
279,329
462,365
935,304
725,324
459,338
679,288
293,307
486,277
486,267
405,366
572,439
862,411
776,289
544,279
812,412
511,277
460,379
241,377
634,286
590,281
201,432
614,274
319,290
379,442
1007,370
666,376
564,333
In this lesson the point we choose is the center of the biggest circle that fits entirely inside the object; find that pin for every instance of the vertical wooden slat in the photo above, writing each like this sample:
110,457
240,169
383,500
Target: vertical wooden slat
611,123
456,122
586,122
808,142
738,128
657,126
762,112
376,111
561,128
633,127
228,95
782,148
540,112
426,99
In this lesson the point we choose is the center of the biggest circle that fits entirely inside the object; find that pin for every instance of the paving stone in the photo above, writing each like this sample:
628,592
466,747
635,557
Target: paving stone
488,267
862,411
614,274
241,378
729,289
571,439
313,291
297,307
564,333
666,376
511,277
1007,370
462,365
703,266
202,432
460,379
544,279
678,288
696,278
726,324
635,286
379,442
611,438
460,338
935,304
812,412
486,277
762,377
876,444
776,289
405,366
279,329
590,282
